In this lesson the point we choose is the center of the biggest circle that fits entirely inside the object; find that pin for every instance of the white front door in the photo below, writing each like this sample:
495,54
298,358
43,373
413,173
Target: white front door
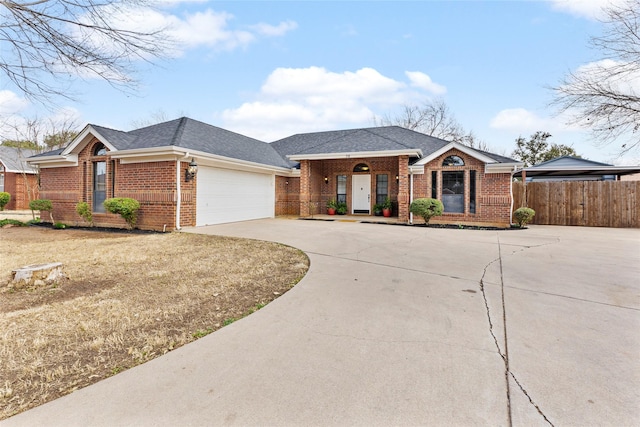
361,194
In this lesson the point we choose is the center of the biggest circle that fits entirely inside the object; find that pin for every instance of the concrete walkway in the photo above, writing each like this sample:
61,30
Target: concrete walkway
397,325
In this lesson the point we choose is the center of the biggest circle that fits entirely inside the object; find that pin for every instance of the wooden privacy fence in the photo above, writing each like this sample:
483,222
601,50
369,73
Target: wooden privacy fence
587,203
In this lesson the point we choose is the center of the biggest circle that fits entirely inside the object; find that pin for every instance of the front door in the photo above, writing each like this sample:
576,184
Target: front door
361,194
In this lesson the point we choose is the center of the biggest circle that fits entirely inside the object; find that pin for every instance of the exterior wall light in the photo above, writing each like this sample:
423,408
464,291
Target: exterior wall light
326,179
191,171
397,178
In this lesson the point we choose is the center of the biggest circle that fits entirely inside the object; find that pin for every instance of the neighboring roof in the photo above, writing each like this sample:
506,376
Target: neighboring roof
10,158
575,166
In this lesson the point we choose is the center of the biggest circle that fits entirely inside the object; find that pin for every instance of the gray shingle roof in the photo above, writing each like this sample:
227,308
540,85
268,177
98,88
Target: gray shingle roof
388,138
194,135
10,159
570,161
497,157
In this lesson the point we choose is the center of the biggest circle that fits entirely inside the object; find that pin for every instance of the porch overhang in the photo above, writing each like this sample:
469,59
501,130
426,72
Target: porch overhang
356,155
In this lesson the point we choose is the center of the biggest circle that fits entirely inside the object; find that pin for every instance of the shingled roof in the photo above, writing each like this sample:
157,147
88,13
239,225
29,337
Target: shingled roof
194,135
388,138
10,158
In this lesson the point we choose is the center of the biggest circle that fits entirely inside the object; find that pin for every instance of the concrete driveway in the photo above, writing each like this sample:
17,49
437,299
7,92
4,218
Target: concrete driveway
398,325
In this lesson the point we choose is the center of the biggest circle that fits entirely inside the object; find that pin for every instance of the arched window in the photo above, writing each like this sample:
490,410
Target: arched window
361,167
99,150
453,161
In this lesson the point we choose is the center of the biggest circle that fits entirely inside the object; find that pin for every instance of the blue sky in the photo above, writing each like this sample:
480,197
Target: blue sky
271,69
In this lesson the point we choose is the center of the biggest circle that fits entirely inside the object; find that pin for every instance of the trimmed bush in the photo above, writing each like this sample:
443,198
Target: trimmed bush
127,208
523,216
5,198
426,208
42,205
84,211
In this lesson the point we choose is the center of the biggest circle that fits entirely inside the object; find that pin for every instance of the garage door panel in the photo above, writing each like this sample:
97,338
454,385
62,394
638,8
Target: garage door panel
225,195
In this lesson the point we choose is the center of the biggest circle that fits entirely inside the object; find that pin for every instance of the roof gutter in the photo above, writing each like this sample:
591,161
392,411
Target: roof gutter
355,155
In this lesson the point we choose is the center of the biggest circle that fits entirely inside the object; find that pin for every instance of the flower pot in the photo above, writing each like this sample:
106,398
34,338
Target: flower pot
377,213
331,211
386,213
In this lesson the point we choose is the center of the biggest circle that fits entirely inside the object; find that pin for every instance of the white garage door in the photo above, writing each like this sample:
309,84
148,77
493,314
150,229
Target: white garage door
226,196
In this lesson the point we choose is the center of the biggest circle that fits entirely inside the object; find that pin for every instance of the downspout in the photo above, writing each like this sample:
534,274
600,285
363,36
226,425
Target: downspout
515,169
410,195
179,191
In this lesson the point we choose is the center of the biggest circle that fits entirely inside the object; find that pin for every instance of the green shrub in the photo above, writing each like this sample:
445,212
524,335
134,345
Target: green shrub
341,208
15,222
5,198
42,205
523,216
331,204
426,208
127,208
59,226
84,211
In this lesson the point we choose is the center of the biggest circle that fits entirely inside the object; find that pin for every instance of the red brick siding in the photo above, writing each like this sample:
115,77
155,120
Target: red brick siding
22,187
287,196
153,184
493,202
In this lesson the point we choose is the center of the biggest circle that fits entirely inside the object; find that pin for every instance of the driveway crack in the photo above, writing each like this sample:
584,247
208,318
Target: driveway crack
505,354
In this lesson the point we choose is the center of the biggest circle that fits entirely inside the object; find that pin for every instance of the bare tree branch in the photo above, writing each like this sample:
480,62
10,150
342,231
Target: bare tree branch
434,119
46,44
605,96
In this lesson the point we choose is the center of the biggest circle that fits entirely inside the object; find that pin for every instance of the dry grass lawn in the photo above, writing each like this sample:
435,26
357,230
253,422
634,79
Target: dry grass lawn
128,298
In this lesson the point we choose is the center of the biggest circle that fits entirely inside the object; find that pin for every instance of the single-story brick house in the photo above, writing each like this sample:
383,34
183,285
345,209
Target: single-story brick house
17,177
240,178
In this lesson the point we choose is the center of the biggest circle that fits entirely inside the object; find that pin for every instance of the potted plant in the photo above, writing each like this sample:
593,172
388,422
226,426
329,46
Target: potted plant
386,208
377,209
331,207
341,209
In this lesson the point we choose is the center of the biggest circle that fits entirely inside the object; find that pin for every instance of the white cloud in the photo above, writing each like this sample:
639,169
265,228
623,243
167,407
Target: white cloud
625,78
423,81
11,104
208,28
275,30
294,100
591,9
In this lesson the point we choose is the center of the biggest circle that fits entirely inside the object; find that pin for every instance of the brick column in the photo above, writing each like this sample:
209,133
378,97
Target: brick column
403,188
304,187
